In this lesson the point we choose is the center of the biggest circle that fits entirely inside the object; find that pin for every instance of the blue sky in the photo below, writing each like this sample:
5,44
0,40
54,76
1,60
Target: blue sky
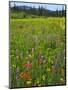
48,6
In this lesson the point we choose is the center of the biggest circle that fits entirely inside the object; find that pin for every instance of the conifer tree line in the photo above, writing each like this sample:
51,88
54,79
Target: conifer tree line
39,11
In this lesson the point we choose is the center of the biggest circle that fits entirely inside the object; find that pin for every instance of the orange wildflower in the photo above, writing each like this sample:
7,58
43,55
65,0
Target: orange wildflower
25,75
27,65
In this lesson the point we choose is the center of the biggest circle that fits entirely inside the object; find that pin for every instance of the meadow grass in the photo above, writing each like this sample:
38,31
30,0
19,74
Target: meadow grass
37,52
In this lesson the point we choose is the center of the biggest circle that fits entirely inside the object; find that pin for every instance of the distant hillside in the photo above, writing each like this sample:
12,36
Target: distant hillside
26,11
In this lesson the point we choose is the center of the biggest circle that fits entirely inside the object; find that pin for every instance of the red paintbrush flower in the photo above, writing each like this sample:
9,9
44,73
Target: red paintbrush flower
25,75
27,65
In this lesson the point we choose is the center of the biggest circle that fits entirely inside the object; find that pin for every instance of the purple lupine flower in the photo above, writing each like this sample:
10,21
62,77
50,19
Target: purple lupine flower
17,78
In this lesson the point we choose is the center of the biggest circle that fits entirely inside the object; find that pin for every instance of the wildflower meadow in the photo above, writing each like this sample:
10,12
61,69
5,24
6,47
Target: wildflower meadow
37,51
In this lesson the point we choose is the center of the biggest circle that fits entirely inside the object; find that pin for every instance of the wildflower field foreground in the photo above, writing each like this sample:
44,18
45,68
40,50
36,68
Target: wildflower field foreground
37,52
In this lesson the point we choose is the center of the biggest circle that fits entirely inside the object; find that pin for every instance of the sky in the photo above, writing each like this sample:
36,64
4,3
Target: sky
48,6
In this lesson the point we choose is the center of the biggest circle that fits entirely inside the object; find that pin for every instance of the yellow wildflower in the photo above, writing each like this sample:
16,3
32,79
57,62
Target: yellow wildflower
61,79
37,81
14,66
28,82
43,77
48,69
30,56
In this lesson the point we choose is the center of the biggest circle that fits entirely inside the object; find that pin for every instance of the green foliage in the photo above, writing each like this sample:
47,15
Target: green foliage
39,42
18,15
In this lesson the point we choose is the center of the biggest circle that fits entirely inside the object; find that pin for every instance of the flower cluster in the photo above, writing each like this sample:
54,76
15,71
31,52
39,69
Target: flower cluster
25,75
27,65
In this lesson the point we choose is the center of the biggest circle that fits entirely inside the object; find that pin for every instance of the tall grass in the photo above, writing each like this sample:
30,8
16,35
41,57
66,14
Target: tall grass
37,52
